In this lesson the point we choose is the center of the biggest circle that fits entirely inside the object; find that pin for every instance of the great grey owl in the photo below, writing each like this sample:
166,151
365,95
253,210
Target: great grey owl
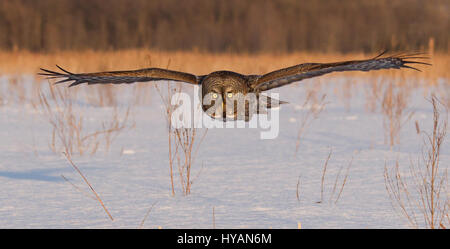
220,88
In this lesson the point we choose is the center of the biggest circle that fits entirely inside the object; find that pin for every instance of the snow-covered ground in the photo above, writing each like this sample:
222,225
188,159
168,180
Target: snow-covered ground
250,183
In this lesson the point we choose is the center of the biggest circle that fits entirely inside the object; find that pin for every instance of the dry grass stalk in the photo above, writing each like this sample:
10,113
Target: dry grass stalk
182,143
373,93
168,114
343,182
313,107
444,93
333,199
423,191
146,215
393,105
17,90
90,186
322,182
214,217
167,100
68,124
399,194
78,188
298,189
417,127
345,90
185,140
112,128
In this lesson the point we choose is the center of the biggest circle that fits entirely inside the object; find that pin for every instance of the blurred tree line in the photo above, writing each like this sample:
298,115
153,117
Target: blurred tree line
224,25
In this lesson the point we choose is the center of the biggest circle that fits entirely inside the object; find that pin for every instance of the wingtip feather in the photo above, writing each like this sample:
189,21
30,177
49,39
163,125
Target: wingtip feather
412,68
62,69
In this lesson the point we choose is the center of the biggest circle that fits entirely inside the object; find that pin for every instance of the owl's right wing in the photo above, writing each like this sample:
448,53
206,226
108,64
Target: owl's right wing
119,77
300,72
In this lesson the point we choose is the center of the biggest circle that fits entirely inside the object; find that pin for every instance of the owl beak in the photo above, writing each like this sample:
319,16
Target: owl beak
223,109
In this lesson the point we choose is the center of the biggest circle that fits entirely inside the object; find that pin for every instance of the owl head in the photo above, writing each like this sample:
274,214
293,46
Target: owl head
221,95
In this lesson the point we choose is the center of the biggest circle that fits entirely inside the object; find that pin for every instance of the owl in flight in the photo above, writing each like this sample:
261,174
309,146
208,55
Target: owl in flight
221,89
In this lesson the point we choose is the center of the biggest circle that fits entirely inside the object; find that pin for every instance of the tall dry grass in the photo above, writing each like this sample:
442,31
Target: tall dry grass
95,194
335,192
394,105
69,132
422,192
183,143
23,62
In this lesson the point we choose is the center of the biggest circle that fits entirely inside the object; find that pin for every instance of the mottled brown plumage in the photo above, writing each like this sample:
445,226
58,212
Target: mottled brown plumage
220,88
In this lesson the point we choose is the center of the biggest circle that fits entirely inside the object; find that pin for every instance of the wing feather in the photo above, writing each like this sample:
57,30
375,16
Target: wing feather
120,77
300,72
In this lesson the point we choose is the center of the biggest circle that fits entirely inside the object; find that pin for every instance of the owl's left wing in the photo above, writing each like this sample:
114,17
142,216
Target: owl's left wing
309,70
119,77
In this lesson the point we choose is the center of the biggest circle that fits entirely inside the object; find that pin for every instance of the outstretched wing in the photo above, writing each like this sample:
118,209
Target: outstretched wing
309,70
119,77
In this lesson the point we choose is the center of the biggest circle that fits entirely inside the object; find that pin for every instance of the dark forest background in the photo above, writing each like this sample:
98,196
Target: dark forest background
224,25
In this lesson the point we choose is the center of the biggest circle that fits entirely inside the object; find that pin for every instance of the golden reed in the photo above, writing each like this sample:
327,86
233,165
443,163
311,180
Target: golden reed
23,62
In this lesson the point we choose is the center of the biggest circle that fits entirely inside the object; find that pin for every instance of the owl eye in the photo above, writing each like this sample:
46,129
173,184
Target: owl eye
229,95
214,95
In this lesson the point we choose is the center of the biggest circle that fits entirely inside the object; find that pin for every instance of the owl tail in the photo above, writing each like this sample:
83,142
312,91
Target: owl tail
269,103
